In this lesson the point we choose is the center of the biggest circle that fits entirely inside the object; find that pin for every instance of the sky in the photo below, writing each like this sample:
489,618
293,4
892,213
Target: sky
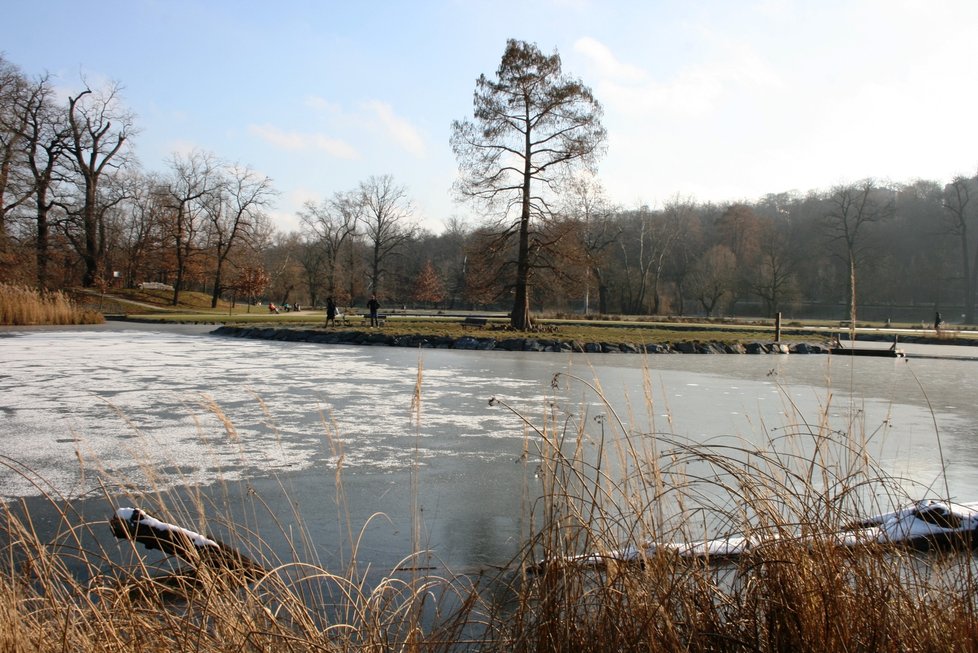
717,101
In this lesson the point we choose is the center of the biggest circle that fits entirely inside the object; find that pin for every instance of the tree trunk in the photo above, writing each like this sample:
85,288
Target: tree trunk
520,317
970,282
602,292
178,282
180,258
90,225
852,297
216,294
41,249
375,270
352,276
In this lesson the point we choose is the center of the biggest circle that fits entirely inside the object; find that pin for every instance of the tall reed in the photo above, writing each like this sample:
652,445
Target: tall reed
603,485
796,589
20,306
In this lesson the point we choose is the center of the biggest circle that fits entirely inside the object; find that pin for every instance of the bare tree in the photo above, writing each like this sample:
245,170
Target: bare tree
532,126
192,178
284,270
646,244
115,194
142,237
637,258
481,269
46,136
332,223
313,262
15,186
234,210
99,128
586,203
454,259
959,215
687,247
773,271
713,277
852,208
740,228
385,211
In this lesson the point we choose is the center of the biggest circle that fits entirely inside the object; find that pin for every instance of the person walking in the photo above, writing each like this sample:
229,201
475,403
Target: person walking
330,311
373,305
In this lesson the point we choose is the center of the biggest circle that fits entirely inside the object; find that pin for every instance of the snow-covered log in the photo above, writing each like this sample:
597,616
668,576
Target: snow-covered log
925,524
134,524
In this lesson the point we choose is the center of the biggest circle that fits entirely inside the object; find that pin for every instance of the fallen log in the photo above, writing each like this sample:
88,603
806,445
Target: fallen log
925,525
195,548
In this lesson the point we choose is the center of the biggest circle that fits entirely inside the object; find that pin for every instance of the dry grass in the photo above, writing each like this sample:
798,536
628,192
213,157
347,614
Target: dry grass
796,591
65,592
602,486
20,305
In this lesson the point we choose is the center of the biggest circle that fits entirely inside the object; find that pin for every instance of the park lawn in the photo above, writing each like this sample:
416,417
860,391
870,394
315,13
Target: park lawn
452,327
155,305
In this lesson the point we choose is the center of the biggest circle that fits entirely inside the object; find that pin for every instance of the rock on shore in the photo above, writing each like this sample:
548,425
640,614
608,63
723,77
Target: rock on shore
341,337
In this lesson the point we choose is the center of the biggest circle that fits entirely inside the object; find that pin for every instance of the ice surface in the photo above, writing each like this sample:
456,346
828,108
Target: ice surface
157,409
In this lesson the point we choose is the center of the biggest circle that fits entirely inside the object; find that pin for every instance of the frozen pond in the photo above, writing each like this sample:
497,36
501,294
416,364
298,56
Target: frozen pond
344,433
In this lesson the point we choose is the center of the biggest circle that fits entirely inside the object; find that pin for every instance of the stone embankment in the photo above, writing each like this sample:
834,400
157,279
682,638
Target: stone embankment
512,343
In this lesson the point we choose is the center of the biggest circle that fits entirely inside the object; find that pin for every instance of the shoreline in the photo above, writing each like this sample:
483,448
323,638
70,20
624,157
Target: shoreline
526,344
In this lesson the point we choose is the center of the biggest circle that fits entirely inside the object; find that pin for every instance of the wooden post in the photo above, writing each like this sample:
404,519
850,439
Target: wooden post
777,328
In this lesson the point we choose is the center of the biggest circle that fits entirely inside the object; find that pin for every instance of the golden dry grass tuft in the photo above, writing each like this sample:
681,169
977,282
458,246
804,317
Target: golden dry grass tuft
22,306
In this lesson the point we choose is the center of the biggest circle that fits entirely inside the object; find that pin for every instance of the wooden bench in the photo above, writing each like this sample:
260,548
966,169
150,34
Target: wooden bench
474,322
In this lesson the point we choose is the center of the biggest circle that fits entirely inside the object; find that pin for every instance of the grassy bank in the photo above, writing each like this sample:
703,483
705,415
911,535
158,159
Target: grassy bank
591,488
156,305
20,305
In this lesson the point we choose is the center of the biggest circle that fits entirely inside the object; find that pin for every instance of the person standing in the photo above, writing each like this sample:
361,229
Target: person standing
373,305
330,311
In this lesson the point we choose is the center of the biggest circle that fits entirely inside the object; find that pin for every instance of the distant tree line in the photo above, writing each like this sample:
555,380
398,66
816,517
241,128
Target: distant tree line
903,251
76,209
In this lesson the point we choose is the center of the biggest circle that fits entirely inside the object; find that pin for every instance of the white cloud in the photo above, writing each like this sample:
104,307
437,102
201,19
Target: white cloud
400,129
299,141
285,221
694,90
606,62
